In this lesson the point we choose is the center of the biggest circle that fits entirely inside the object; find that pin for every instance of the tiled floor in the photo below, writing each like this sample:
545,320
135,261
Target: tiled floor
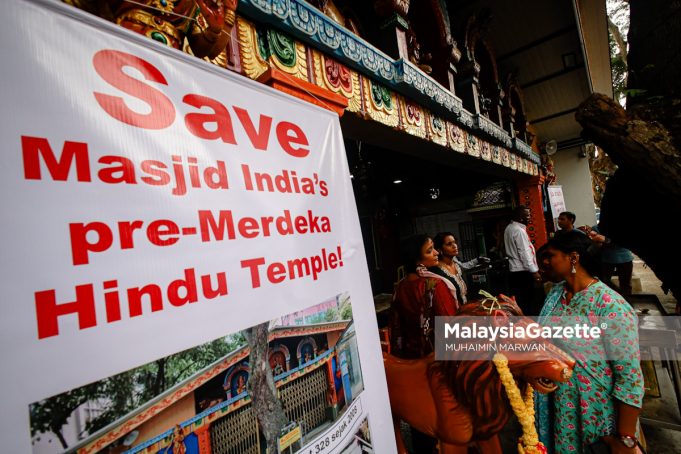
663,441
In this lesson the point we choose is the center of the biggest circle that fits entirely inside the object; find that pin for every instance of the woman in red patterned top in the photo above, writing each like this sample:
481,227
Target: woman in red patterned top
418,298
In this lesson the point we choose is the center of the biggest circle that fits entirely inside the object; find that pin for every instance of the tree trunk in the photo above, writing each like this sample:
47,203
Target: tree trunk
644,195
655,64
619,39
61,438
159,380
633,143
266,403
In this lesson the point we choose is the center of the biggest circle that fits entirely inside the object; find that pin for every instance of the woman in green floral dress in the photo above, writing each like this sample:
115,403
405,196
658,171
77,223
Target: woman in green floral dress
603,397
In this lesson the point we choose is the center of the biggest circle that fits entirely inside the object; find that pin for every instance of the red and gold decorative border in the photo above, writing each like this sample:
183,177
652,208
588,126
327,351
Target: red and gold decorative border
496,154
306,330
252,63
298,70
472,145
457,137
485,150
382,114
324,65
505,158
436,130
413,118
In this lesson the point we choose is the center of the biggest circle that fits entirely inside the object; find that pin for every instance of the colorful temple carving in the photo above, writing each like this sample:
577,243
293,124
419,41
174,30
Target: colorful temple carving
395,63
424,81
302,42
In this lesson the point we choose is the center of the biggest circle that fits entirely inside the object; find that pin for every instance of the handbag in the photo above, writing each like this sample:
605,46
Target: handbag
427,322
601,447
598,447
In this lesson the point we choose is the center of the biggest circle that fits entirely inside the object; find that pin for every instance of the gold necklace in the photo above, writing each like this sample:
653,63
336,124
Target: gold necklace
593,281
565,291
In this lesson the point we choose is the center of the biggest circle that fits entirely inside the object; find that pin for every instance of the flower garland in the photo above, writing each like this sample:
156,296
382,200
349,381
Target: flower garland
523,408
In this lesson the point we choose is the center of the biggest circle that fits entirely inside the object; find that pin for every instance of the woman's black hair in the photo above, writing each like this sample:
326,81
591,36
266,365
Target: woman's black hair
572,241
439,240
541,252
410,249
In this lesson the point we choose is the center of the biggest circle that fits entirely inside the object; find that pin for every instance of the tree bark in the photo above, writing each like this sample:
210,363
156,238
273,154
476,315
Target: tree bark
645,190
642,200
266,403
633,143
159,379
619,39
61,438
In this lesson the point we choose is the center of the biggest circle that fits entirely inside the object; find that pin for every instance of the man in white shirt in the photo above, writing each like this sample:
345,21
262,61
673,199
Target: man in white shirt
523,268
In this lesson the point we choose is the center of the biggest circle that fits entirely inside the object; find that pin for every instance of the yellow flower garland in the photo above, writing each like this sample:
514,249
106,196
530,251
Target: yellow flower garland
523,408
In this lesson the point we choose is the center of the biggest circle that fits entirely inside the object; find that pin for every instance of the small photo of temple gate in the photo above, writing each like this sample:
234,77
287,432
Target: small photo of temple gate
314,361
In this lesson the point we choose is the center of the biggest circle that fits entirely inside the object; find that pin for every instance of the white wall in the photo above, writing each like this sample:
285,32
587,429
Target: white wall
573,174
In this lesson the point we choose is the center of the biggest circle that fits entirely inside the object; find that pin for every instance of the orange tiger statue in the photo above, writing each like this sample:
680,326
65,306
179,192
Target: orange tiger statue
464,403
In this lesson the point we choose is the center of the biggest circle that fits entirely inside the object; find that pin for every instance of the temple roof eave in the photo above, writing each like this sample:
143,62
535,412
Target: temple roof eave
312,27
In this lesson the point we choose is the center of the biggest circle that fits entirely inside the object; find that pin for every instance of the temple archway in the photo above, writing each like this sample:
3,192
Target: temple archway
306,351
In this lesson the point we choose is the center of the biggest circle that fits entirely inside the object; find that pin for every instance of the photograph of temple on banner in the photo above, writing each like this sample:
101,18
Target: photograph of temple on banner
202,400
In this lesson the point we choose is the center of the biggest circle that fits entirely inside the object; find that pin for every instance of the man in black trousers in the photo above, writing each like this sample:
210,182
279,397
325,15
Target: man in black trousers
524,272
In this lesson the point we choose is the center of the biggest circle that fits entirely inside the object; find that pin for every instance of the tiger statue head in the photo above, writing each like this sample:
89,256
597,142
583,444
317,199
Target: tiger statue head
473,378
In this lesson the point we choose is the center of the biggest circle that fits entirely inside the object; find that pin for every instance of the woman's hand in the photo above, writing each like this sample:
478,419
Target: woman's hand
596,237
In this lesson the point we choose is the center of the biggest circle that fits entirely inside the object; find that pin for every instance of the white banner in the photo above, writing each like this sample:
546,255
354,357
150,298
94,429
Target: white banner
556,200
341,435
153,203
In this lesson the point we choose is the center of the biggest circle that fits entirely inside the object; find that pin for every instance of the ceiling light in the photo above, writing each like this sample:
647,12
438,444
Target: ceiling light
397,181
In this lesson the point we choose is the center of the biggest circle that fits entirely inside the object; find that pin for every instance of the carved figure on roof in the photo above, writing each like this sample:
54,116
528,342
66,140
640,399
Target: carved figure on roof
204,23
278,363
236,380
240,384
178,441
416,55
483,91
210,402
385,8
307,350
547,169
343,16
514,109
485,105
430,23
477,27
